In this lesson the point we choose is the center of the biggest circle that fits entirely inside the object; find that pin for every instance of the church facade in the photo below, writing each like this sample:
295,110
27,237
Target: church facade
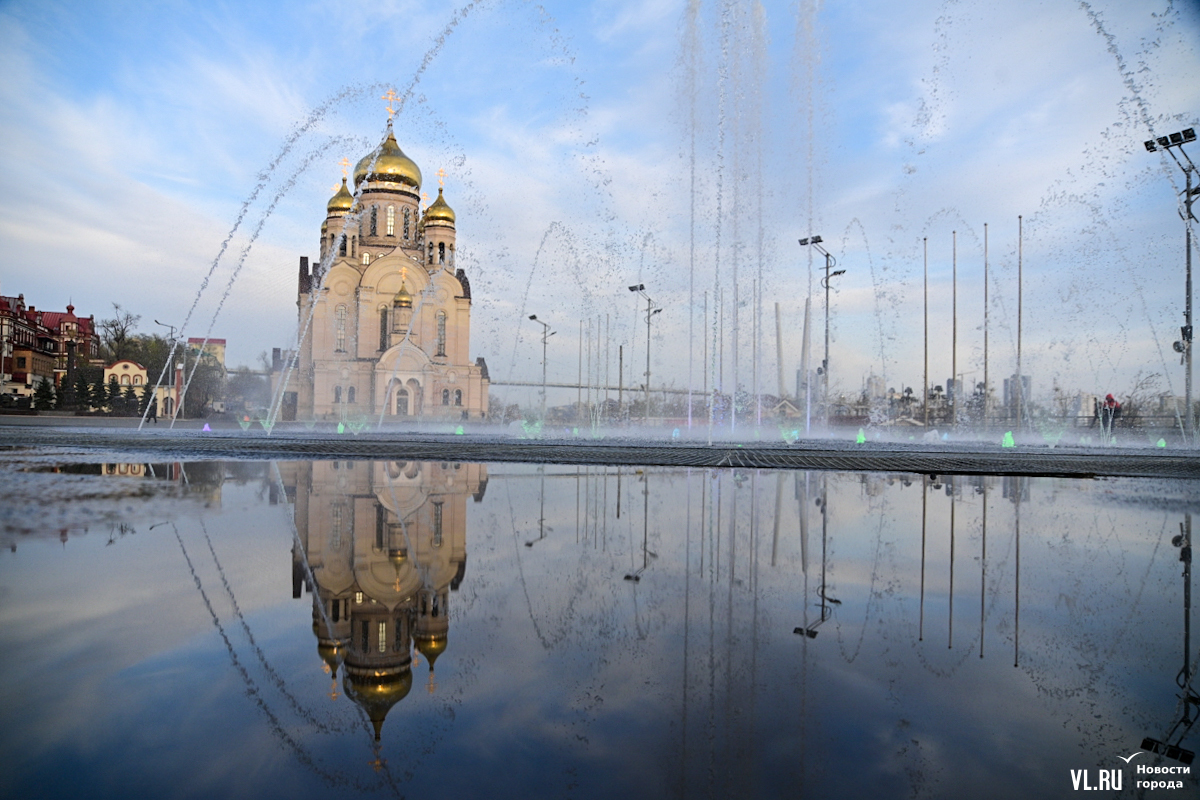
387,309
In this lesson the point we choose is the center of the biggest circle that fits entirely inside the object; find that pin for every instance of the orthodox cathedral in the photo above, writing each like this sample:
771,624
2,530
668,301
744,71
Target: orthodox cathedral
387,309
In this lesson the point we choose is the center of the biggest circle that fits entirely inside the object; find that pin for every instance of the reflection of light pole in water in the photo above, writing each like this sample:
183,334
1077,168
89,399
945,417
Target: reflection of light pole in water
830,261
637,574
541,512
983,567
826,601
1184,678
950,635
1017,582
921,613
546,334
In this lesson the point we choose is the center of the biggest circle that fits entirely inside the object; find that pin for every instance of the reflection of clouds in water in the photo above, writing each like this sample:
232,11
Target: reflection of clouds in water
689,678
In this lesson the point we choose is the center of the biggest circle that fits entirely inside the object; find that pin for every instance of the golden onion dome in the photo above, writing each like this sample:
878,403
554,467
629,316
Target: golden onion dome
388,163
403,298
439,211
431,647
341,202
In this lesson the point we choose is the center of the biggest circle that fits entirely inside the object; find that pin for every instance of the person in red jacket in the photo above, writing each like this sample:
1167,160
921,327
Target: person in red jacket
1110,412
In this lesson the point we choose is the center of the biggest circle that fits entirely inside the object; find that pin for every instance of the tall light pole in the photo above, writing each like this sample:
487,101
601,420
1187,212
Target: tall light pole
546,334
170,365
1184,345
830,261
650,312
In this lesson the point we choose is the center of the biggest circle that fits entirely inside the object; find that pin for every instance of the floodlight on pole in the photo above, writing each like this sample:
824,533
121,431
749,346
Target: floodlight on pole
830,261
546,334
1169,144
651,310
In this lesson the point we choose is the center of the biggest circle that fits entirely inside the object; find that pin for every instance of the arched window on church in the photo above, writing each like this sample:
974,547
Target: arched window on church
383,328
451,254
458,397
391,220
374,220
406,221
340,330
402,402
431,252
342,246
366,259
441,252
445,397
437,526
441,333
337,394
350,395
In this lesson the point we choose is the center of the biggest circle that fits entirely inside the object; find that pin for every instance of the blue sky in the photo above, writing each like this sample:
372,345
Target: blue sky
134,133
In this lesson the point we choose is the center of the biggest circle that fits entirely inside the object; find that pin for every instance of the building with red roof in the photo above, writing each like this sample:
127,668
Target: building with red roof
38,344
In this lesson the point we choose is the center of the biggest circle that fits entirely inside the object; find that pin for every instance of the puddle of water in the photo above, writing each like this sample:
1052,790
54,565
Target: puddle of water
405,628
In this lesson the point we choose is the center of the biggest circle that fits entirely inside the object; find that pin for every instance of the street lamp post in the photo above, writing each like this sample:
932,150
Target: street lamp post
1184,345
546,334
650,312
170,366
830,261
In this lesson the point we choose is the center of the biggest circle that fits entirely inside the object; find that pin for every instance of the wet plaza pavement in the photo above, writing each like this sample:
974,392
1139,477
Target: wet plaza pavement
441,628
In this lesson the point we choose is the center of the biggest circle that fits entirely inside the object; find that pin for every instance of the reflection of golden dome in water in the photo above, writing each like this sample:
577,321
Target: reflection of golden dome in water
439,211
388,163
431,646
341,202
376,694
332,654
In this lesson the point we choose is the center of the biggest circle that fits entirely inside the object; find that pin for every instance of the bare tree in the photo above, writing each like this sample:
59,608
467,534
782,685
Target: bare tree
116,334
1137,402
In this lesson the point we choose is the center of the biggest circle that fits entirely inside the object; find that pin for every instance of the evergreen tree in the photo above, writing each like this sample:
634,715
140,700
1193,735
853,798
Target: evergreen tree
83,391
43,396
98,395
112,394
129,401
144,400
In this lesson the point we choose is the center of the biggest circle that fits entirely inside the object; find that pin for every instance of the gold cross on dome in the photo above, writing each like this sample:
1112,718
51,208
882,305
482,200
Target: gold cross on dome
345,162
441,175
424,198
335,188
391,96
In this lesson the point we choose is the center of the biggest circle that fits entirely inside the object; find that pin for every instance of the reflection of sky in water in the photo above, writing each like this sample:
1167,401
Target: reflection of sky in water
559,677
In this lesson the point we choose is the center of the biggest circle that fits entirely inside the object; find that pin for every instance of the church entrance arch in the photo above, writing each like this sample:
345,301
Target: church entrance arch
404,397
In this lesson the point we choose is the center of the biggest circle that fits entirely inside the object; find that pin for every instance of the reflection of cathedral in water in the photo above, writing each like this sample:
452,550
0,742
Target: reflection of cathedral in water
386,544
